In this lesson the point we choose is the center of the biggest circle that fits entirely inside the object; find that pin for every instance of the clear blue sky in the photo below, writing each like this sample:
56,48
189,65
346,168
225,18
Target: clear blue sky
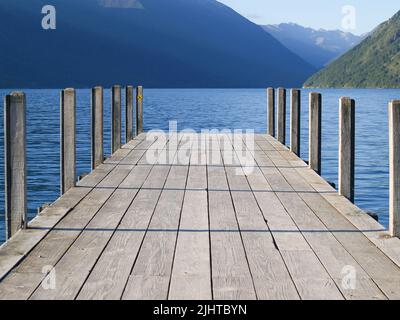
317,14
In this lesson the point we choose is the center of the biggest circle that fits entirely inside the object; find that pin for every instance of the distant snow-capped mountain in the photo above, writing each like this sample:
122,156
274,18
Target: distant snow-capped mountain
317,47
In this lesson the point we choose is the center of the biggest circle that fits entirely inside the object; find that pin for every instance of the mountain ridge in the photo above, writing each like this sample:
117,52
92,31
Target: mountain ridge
317,47
182,43
374,63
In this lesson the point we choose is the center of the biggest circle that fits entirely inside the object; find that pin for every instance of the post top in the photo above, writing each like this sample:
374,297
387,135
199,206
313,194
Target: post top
346,99
15,97
17,94
69,90
295,90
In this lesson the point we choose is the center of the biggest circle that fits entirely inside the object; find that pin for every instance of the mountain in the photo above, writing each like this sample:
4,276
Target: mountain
374,63
317,47
174,43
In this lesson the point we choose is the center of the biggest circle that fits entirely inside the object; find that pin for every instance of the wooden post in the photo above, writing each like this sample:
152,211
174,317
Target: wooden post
346,147
281,132
394,160
68,139
128,114
97,127
315,132
271,111
15,162
295,121
139,110
115,118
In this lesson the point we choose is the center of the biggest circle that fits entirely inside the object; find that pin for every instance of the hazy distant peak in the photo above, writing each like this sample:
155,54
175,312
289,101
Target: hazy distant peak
125,4
374,63
317,47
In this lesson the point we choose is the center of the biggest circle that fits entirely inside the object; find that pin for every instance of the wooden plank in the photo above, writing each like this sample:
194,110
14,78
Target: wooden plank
309,275
347,134
118,156
14,250
213,150
285,232
292,243
128,114
115,118
68,140
315,135
151,273
48,251
330,251
97,127
76,264
373,262
51,248
231,276
15,162
276,232
324,217
369,227
394,159
271,278
230,271
110,274
192,265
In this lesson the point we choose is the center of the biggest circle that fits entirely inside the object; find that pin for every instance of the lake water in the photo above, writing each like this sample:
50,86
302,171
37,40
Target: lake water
202,109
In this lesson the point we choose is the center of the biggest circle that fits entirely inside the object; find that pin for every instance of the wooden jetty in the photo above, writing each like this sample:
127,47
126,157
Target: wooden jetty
182,216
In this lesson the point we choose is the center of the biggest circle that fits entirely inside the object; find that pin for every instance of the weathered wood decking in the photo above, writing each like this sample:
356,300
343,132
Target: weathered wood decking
198,230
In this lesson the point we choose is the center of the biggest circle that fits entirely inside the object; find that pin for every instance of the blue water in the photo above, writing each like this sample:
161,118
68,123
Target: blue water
202,109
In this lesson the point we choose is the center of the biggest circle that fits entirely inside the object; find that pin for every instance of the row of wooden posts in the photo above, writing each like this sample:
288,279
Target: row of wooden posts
15,142
277,128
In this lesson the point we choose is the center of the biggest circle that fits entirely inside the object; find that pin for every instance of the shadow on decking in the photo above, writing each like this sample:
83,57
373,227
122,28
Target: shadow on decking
209,190
204,230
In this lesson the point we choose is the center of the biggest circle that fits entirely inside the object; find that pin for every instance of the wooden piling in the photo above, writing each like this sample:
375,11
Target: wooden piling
128,114
295,121
15,162
281,132
139,110
97,127
394,161
68,139
271,111
115,118
346,147
315,132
